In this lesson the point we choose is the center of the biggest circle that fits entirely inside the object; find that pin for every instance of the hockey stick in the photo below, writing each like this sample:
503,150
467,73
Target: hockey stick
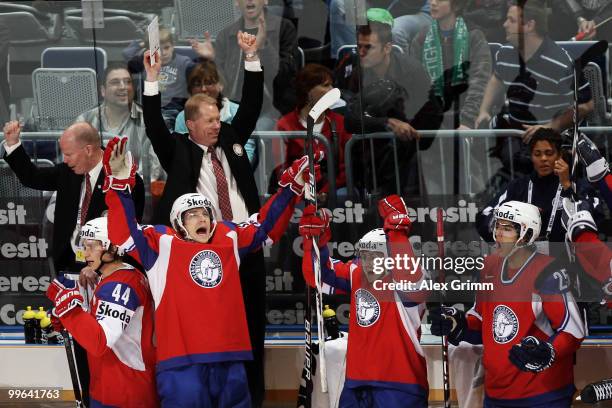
74,375
445,368
310,195
596,49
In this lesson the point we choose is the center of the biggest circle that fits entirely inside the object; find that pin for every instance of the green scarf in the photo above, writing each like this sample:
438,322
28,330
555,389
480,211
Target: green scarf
432,55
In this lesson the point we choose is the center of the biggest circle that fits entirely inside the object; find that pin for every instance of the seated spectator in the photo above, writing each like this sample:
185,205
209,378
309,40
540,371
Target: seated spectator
277,44
205,79
454,56
173,75
411,16
396,98
537,78
120,115
311,83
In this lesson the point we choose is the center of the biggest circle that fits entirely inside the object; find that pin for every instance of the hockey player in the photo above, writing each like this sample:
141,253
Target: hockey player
594,256
385,364
193,271
529,324
117,331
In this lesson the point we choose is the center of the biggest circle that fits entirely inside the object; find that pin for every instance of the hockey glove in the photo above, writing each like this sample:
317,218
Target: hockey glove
316,225
576,217
395,213
596,166
532,354
119,167
448,321
65,295
296,176
55,321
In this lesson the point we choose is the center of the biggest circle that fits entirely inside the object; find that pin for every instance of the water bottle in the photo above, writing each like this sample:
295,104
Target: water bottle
29,325
41,314
331,323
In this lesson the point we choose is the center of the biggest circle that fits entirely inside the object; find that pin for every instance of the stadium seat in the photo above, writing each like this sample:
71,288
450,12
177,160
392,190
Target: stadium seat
195,17
74,57
62,94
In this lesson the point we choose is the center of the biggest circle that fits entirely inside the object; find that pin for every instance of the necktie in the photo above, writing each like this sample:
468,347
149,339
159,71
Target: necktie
222,190
86,199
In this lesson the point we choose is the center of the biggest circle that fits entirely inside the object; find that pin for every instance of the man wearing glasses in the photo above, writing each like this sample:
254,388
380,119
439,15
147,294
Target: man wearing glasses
119,115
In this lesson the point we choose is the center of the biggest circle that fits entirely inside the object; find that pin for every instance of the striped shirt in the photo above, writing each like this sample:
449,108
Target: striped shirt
543,88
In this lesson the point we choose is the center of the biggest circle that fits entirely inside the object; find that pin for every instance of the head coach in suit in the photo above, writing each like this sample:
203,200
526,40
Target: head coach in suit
78,182
211,160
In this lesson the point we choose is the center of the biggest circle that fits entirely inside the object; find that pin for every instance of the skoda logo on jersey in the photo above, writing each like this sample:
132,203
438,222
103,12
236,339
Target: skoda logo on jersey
505,324
206,269
368,309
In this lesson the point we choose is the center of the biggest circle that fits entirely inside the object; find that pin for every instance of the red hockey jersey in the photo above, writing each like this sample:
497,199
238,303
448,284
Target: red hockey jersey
199,309
117,333
532,301
384,329
596,259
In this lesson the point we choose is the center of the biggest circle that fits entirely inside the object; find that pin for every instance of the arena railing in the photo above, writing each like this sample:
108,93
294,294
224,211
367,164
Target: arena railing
466,137
264,165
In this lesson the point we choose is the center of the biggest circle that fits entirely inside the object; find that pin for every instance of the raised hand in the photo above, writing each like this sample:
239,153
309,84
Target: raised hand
12,130
316,224
204,49
119,167
152,70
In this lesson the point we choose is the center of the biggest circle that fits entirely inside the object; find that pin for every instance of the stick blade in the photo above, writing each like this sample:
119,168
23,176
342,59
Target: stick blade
332,96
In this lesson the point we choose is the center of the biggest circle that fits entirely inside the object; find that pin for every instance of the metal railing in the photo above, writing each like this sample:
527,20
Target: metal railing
465,136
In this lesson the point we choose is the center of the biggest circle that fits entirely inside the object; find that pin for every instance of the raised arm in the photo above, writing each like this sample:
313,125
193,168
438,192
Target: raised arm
252,87
161,139
29,175
335,275
270,224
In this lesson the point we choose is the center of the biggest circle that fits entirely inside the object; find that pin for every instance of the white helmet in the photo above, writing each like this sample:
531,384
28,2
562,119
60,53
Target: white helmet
187,202
375,241
527,216
96,229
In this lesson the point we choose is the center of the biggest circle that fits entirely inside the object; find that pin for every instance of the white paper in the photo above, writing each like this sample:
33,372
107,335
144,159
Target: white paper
153,31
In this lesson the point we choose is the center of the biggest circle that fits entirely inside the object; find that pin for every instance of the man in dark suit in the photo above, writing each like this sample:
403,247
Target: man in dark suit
211,160
78,182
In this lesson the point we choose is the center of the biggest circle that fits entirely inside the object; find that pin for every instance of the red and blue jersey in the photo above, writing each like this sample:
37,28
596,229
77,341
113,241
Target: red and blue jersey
596,259
199,308
533,300
117,333
384,329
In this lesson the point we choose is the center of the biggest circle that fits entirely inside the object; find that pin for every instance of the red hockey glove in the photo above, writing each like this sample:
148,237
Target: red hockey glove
316,225
119,166
65,295
55,321
395,213
296,176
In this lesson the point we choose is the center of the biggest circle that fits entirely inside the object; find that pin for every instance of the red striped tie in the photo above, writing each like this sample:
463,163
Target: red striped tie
222,190
86,199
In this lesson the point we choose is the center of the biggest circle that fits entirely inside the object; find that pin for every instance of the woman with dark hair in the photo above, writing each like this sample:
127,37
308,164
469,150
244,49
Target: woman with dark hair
206,79
311,83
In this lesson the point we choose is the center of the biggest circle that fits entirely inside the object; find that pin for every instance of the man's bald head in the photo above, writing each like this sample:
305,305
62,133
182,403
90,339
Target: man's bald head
83,133
80,145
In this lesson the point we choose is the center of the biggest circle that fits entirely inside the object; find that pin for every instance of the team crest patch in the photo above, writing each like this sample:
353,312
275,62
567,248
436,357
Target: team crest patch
505,324
368,308
238,149
206,269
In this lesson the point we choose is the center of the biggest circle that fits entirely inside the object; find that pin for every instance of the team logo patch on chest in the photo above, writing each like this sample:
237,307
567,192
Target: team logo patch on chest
505,324
206,269
368,308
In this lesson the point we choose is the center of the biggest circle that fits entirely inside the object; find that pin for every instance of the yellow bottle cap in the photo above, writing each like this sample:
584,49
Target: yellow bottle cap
45,322
29,313
41,314
328,312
